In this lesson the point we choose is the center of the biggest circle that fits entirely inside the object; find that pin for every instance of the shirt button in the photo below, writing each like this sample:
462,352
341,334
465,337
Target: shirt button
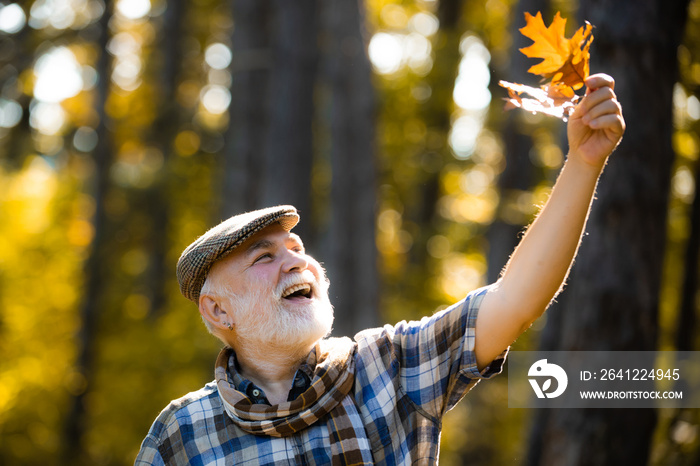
256,392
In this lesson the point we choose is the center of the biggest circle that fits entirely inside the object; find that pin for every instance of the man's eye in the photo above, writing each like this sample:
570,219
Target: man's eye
263,256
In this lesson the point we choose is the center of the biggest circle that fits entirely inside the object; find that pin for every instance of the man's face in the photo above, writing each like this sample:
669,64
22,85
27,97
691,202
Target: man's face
278,295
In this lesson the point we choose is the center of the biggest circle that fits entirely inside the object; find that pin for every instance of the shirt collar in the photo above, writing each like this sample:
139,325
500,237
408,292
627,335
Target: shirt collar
301,383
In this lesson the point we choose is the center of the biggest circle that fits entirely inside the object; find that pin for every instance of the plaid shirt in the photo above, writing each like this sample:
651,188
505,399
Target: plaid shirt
406,378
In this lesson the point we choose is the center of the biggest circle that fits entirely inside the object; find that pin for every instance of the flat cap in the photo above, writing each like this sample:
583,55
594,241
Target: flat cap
218,242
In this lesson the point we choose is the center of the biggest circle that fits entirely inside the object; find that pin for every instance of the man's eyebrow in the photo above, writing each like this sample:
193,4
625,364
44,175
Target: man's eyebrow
296,238
260,244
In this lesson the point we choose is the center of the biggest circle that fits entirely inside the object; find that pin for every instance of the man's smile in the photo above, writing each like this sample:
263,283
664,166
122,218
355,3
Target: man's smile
301,290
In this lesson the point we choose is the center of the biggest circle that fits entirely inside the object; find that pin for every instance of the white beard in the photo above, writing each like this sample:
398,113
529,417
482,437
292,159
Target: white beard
265,318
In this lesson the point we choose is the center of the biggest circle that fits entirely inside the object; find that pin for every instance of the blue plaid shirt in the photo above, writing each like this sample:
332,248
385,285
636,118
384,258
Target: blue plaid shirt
407,377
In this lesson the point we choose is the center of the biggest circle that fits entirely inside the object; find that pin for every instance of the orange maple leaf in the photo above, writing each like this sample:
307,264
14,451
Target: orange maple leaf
564,66
564,60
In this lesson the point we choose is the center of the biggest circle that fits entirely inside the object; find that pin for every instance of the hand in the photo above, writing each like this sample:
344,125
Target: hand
596,126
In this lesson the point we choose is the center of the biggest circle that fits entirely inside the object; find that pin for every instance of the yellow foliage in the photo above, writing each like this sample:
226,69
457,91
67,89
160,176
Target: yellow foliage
81,109
188,94
686,144
136,306
462,273
186,143
31,193
213,122
26,81
450,181
134,262
80,232
439,246
38,298
394,16
683,184
470,208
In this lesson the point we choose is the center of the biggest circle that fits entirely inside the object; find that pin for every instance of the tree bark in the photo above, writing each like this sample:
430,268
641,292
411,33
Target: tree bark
611,302
288,150
243,167
687,320
165,128
351,256
75,428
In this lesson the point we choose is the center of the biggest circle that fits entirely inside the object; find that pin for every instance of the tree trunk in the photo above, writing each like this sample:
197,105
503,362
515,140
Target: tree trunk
687,320
611,302
351,256
243,168
165,128
288,150
74,430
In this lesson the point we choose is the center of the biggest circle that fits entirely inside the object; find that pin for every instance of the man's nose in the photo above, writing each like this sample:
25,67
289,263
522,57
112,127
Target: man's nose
295,261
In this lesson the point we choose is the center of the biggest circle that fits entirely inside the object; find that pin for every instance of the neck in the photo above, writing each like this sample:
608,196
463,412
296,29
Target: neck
271,367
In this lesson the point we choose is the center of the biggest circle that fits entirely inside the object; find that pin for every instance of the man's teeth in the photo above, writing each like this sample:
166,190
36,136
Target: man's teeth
300,290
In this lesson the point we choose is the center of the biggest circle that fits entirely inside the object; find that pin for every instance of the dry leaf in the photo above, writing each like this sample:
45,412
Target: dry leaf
558,101
564,64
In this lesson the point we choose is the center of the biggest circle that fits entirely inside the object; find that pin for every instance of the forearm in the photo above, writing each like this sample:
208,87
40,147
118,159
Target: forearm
540,264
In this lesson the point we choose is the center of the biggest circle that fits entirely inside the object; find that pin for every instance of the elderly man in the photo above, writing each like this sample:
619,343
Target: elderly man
285,394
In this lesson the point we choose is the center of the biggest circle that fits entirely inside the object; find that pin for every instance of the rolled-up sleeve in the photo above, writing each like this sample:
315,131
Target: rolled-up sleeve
437,359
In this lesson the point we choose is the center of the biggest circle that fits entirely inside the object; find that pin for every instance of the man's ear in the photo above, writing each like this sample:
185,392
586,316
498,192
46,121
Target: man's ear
212,311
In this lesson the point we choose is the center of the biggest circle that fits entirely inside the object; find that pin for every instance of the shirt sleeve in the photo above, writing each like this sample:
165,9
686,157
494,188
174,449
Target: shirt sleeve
436,356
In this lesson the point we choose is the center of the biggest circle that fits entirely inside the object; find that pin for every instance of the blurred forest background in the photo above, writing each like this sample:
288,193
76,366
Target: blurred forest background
129,127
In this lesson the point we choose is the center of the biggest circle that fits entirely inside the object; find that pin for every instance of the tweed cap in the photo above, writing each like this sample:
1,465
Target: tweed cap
218,242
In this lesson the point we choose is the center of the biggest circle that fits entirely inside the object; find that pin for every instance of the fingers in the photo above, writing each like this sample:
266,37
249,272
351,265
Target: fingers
604,108
596,126
609,121
602,101
597,97
596,81
600,108
605,115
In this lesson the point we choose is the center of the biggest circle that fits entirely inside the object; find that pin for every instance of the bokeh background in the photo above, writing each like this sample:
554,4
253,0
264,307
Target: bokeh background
128,127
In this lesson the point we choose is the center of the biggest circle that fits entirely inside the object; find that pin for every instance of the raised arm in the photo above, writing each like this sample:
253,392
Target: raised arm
539,266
